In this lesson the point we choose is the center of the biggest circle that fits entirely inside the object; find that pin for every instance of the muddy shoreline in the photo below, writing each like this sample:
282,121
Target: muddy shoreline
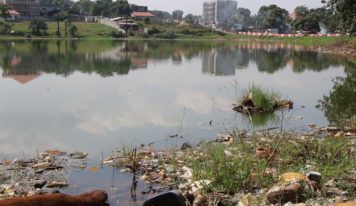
345,49
161,171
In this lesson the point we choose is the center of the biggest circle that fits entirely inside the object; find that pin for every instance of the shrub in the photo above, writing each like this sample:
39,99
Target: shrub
153,31
18,33
73,31
168,35
117,34
38,27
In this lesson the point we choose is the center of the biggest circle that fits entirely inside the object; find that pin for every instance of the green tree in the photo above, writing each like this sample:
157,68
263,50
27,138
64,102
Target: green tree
101,7
189,18
162,15
4,11
345,12
326,18
38,27
301,11
243,18
73,31
119,8
4,27
177,15
61,17
273,17
306,20
83,7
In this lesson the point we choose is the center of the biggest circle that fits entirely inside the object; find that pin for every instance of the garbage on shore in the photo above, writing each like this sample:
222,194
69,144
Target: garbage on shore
273,169
43,174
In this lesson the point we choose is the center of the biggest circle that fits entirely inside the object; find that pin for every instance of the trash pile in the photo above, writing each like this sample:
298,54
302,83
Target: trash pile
44,174
167,170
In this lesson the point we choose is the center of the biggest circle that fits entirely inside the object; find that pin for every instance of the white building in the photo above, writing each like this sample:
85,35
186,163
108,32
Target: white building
218,12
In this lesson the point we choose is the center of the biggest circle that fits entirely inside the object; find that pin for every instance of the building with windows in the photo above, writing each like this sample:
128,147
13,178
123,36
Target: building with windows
27,8
218,12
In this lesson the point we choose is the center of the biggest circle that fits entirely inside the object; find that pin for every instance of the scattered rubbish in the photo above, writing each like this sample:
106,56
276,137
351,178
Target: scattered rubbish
27,177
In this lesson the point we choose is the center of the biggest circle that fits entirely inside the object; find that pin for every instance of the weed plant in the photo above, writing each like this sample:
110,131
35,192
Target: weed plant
234,168
262,98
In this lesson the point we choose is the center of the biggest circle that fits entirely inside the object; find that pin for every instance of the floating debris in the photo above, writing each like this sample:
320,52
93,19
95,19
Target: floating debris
27,177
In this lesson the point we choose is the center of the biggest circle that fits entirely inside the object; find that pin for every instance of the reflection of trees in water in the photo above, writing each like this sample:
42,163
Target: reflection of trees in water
339,105
271,61
61,57
303,61
224,60
119,57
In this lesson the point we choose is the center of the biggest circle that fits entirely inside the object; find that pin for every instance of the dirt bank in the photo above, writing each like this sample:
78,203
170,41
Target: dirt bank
340,48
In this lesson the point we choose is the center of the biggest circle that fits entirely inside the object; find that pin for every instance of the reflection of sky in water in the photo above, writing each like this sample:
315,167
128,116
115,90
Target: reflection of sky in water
87,112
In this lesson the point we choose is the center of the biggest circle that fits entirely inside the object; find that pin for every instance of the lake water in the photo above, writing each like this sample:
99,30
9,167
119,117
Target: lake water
98,96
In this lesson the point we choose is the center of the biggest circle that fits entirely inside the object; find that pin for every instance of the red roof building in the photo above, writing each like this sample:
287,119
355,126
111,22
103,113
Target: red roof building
14,15
142,15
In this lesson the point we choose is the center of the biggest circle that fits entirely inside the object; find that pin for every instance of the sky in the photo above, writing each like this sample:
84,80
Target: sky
195,6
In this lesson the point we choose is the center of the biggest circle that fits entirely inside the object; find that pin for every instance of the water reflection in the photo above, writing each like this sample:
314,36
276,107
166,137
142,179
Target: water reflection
97,96
339,105
110,58
147,86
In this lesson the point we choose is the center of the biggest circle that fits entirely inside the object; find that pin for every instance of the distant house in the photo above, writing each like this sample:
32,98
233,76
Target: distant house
142,15
14,15
93,19
27,8
125,23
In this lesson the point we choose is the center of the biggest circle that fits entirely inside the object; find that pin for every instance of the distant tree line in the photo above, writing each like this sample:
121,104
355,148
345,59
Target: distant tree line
335,15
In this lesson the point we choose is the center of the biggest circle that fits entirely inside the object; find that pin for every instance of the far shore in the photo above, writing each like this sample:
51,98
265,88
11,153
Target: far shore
341,45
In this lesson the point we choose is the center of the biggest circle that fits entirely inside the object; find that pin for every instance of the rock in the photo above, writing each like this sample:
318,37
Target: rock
41,165
57,184
334,191
188,173
339,134
200,200
39,183
314,176
291,191
248,200
185,146
170,169
78,155
30,194
292,176
331,129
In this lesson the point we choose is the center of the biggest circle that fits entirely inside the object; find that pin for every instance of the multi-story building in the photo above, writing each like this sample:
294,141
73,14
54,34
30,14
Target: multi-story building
27,8
218,12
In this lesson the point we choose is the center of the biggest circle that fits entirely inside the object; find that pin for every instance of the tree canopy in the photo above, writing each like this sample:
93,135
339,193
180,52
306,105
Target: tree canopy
243,18
273,17
345,12
305,20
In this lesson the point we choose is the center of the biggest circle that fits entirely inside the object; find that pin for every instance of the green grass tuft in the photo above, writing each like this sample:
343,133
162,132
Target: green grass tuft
262,98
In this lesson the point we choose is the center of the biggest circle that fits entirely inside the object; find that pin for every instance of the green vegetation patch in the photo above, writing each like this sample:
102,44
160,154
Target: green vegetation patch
237,167
83,29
